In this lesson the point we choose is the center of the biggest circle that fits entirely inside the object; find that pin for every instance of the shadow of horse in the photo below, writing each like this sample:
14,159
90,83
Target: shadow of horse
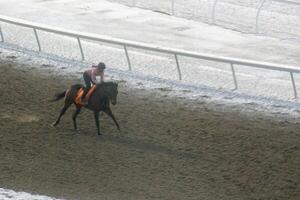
104,94
155,148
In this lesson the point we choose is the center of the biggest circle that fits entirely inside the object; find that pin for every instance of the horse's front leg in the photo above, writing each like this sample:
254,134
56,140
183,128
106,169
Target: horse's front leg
77,111
109,112
96,115
62,112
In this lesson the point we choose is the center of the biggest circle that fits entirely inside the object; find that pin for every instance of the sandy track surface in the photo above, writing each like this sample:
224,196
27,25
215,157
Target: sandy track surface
167,149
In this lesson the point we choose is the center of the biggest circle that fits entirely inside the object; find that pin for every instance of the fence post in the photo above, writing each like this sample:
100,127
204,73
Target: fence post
257,15
234,77
294,85
127,57
80,47
213,12
1,34
178,67
37,39
173,5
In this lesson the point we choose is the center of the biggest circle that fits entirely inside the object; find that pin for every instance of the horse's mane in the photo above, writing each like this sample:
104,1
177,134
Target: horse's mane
106,84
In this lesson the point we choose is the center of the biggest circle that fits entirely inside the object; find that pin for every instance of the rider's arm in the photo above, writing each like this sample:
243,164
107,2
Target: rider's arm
93,76
102,77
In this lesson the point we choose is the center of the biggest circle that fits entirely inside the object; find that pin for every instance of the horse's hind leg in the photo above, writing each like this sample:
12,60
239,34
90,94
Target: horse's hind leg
96,115
62,112
77,111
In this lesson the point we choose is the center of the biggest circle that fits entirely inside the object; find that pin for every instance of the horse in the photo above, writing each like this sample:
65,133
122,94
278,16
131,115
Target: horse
99,100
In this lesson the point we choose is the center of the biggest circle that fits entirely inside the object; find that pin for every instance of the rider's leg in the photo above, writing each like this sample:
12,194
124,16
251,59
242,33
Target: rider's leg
85,91
87,79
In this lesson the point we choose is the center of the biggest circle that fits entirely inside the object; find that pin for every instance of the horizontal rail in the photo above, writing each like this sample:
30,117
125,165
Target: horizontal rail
175,52
121,42
287,2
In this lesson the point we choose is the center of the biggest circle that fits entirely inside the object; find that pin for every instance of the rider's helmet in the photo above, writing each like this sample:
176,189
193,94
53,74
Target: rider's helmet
101,65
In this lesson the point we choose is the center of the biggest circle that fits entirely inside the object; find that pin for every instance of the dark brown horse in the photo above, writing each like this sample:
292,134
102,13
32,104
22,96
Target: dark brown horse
99,100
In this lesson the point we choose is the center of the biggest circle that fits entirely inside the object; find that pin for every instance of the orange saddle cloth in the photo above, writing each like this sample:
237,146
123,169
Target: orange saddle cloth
87,96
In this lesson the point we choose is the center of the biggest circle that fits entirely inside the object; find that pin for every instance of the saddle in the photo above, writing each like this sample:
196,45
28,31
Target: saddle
87,96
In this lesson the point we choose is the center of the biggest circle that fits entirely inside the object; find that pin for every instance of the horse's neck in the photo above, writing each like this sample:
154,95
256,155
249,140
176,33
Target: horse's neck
103,90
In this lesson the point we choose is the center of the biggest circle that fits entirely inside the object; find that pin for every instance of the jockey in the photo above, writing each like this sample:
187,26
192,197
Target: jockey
89,77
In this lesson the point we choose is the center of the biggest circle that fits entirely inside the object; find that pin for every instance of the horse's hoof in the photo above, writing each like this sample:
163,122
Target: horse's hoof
54,124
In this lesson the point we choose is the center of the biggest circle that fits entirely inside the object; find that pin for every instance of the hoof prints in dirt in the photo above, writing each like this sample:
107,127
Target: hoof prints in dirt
11,57
170,151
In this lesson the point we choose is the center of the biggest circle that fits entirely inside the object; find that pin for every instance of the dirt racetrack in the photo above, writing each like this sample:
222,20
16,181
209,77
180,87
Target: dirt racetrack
169,148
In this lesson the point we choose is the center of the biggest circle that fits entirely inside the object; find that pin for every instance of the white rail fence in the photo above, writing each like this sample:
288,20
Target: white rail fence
125,44
215,3
262,5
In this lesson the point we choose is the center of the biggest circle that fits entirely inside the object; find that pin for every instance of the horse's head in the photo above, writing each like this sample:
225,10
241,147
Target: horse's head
109,89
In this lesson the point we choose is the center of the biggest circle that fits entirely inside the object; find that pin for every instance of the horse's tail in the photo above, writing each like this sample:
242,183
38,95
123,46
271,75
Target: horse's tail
71,92
59,96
